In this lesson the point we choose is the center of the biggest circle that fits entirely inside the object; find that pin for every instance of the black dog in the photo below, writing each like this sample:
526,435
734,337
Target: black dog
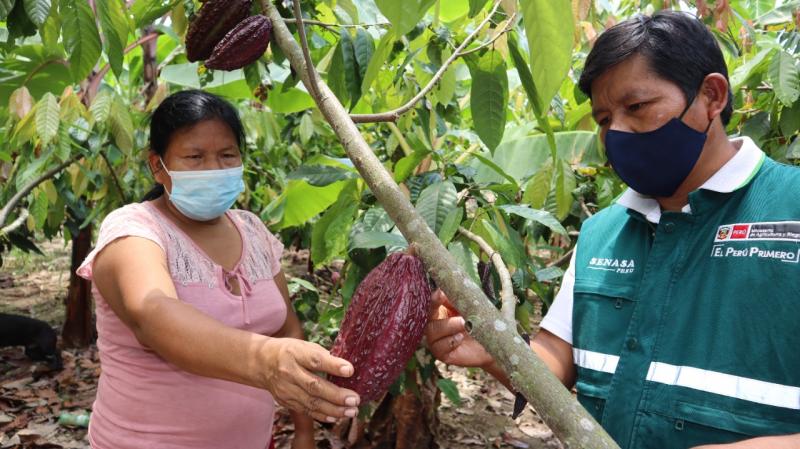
37,336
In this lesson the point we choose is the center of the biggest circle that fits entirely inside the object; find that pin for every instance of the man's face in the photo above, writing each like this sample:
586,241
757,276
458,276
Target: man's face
630,97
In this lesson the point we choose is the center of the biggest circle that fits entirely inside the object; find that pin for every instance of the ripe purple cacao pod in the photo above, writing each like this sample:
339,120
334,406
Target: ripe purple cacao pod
244,44
383,325
214,20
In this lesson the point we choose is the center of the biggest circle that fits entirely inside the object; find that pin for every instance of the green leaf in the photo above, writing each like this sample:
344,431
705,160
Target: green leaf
47,118
539,186
466,258
565,184
436,202
329,234
404,15
121,125
548,26
489,97
785,77
790,119
749,68
475,6
301,201
539,216
5,8
37,10
321,175
64,148
548,274
146,11
496,168
81,38
405,166
352,76
101,106
364,49
39,208
446,87
450,225
336,76
376,239
114,24
450,389
378,59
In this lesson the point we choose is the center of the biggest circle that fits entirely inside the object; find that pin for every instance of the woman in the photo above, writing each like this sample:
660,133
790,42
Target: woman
196,333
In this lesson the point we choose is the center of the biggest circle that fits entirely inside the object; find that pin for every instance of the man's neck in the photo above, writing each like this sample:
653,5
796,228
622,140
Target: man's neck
717,151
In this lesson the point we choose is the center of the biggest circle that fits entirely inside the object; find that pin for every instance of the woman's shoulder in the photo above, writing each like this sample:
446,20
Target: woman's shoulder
134,216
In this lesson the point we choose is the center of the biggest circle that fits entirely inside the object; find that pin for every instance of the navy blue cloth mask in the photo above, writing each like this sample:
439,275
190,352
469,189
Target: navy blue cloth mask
655,163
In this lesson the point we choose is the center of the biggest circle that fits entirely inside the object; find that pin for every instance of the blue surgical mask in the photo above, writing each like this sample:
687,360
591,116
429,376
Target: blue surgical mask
656,163
204,195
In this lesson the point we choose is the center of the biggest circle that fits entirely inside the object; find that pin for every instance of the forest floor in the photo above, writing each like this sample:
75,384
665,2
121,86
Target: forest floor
31,398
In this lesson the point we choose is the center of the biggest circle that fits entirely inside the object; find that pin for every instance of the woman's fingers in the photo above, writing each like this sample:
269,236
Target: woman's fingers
315,358
315,396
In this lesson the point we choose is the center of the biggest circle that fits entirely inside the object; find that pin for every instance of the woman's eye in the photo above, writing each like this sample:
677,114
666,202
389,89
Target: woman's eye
194,156
635,107
230,155
603,121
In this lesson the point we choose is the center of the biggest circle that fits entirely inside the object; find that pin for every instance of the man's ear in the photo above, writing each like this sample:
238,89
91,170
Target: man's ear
714,93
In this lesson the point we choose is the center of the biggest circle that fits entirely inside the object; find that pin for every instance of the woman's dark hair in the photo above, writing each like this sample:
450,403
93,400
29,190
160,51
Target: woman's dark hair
676,45
185,109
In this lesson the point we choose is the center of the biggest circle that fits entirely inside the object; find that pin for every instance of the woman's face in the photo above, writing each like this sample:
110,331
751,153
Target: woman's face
208,145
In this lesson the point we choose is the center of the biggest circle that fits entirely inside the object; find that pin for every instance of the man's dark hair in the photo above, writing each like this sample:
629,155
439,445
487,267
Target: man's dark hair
677,46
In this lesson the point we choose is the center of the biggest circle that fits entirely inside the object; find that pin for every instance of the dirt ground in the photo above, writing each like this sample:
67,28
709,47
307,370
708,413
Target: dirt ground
31,398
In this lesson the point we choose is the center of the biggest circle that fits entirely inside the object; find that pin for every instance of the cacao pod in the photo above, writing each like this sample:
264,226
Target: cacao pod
383,325
244,44
212,23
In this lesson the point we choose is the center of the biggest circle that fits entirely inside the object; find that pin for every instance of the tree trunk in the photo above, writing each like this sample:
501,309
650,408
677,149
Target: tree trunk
79,330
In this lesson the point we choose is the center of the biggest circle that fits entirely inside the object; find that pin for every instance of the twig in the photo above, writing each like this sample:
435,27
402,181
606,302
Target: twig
301,31
94,84
114,176
12,203
506,287
400,139
491,41
393,115
585,208
23,215
562,260
340,25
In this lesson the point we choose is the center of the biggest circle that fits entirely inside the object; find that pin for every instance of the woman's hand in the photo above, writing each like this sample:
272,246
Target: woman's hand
290,366
448,339
303,441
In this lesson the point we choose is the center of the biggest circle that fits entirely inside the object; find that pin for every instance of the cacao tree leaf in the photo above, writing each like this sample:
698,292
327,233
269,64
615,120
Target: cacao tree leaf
101,106
336,76
38,208
146,11
329,234
352,75
321,175
405,166
377,239
114,23
550,46
790,119
450,389
37,10
446,87
5,8
435,202
475,6
64,148
565,184
539,216
539,186
47,118
548,274
754,65
121,125
404,15
785,77
374,219
364,48
512,255
496,168
378,59
19,25
81,38
302,201
21,102
489,97
450,225
466,258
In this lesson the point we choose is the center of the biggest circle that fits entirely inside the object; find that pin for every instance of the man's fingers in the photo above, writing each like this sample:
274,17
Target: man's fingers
438,329
443,346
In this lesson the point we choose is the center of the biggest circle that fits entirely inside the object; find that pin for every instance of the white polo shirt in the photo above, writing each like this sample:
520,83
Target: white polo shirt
737,172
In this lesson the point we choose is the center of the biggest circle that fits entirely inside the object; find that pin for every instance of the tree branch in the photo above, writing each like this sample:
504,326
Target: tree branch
506,287
562,260
491,41
339,25
114,176
301,31
23,215
529,375
12,203
393,115
97,78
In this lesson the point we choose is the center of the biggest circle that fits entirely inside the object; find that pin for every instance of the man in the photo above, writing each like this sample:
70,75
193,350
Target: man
677,318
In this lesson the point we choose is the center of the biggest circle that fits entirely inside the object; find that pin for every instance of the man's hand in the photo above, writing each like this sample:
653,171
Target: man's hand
304,440
448,339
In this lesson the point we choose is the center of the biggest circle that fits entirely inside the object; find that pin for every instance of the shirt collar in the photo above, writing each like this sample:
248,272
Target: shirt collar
735,174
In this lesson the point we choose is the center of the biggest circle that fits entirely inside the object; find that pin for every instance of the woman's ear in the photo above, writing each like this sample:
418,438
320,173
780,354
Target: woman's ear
154,161
714,92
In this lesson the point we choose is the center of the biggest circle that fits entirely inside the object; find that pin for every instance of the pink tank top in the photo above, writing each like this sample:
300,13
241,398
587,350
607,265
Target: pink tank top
142,400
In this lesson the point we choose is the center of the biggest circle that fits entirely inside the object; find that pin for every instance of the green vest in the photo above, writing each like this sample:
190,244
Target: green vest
688,332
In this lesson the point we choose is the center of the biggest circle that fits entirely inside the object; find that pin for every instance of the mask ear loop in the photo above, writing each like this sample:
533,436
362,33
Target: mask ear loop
680,117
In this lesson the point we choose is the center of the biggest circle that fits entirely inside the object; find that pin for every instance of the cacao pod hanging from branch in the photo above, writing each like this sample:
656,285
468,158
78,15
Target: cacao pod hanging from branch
243,45
214,20
383,325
